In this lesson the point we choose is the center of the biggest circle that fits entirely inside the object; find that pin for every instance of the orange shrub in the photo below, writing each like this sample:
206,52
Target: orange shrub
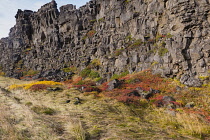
39,87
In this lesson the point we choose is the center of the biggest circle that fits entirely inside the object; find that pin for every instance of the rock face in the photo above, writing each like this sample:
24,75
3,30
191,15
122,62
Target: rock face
170,37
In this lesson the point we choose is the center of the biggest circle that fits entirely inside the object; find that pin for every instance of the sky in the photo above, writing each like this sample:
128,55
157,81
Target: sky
9,8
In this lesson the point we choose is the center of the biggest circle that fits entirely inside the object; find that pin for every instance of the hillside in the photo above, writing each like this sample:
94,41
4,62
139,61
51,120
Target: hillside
42,110
169,37
109,70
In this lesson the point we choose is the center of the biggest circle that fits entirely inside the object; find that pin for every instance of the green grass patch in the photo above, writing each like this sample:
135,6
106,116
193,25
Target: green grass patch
43,110
117,76
162,51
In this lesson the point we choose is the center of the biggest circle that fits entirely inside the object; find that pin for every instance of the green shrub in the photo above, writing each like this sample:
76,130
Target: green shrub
19,64
119,51
85,72
28,104
154,63
95,63
43,110
30,72
98,79
116,76
162,51
129,38
81,82
94,20
27,50
70,69
163,44
158,37
169,35
94,74
132,80
84,38
101,19
2,73
127,1
136,43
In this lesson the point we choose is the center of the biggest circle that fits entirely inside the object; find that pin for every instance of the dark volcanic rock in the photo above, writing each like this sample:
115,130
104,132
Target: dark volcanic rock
153,91
113,84
190,81
190,105
68,101
146,94
55,75
134,93
168,99
171,37
54,89
78,101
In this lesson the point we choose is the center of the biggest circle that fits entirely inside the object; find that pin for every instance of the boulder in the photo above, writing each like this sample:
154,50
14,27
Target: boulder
54,89
113,84
77,101
190,81
146,94
190,105
134,93
166,101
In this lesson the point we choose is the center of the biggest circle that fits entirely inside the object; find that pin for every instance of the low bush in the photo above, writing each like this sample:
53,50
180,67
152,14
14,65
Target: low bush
30,72
2,73
39,87
118,52
87,72
43,110
94,74
70,69
117,76
162,51
95,63
28,86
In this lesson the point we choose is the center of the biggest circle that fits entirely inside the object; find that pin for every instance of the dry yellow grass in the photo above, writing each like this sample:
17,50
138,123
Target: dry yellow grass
192,124
96,118
7,130
184,123
75,128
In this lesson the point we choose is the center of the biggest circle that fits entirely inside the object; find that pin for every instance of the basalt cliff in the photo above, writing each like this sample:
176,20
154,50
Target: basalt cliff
172,38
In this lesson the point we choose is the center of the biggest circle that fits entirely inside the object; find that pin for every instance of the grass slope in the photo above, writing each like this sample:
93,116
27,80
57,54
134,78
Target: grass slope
40,115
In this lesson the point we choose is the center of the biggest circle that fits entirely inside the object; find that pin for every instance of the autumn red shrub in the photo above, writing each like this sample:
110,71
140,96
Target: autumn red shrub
39,87
197,111
146,80
87,88
208,119
76,79
90,89
122,95
104,86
